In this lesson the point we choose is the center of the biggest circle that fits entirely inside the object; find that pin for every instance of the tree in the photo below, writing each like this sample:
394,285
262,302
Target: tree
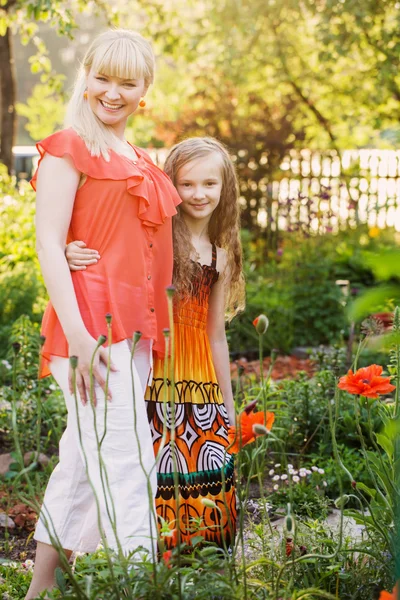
22,17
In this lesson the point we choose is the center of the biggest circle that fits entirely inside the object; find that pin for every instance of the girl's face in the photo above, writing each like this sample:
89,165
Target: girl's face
199,184
113,99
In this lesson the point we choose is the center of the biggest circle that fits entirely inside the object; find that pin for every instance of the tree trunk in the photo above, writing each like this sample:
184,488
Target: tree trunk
8,118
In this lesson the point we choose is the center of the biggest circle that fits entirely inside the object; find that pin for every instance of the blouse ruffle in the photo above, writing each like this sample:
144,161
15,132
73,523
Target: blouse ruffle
152,213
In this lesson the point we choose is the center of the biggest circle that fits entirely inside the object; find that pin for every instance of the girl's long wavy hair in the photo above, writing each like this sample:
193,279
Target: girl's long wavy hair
116,53
223,228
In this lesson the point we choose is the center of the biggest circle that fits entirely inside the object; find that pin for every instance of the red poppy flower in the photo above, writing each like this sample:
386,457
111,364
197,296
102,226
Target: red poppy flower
167,558
366,382
244,432
389,596
289,546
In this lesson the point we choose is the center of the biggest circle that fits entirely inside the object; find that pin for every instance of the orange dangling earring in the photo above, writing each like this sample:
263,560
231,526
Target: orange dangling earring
142,103
85,94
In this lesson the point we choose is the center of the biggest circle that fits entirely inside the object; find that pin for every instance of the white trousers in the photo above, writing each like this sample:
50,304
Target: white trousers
86,492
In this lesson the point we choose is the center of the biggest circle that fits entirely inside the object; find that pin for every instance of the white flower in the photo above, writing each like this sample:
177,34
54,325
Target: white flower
276,478
313,468
296,478
308,472
291,472
6,364
284,476
303,474
52,387
324,483
271,472
277,465
290,466
321,471
276,487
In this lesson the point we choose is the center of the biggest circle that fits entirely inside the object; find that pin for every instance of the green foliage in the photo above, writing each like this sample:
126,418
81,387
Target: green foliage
21,285
44,111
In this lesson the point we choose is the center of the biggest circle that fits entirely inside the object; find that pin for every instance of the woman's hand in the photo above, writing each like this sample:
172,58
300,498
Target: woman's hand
83,347
79,257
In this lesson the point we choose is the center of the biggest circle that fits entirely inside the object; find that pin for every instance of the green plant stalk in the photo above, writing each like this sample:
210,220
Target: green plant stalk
378,450
173,435
103,471
109,342
103,538
339,465
152,516
165,401
364,450
396,461
241,512
14,419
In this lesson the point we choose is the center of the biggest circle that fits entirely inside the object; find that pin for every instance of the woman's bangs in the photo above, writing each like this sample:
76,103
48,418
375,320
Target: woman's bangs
120,59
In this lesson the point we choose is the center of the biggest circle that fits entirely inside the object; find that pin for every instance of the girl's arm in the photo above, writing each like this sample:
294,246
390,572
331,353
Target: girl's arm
56,187
217,336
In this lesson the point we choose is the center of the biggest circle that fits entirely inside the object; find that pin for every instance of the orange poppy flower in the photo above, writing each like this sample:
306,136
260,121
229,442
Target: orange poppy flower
389,596
243,433
366,382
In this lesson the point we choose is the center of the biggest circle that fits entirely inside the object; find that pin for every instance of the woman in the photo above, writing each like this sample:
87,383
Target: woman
92,184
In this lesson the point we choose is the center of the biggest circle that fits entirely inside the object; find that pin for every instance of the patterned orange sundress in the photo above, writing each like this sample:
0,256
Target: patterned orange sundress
205,468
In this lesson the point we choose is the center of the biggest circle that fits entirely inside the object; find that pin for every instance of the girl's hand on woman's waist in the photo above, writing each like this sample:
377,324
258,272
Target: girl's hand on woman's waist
79,257
83,346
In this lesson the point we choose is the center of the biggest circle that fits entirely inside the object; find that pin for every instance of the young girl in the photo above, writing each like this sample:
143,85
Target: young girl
92,182
209,284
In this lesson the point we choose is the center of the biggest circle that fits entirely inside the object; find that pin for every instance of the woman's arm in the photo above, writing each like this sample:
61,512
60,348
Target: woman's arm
56,187
217,337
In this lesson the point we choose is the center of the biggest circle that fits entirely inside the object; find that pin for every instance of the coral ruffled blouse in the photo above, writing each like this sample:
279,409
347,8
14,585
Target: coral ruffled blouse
124,211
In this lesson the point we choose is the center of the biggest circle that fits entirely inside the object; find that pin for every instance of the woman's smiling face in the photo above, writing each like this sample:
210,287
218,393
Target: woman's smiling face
113,99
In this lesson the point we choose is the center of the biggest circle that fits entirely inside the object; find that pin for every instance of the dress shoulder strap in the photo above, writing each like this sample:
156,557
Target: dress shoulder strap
214,257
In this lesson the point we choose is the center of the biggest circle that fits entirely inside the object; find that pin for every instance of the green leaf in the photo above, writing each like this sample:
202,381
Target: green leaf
60,580
385,443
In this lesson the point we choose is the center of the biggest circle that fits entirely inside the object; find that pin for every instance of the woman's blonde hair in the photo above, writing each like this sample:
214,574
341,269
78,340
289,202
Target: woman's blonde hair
117,53
223,228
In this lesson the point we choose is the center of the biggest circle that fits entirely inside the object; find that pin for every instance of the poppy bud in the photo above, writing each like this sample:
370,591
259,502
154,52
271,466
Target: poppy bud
42,339
166,332
342,501
261,324
108,318
354,484
208,503
136,336
260,429
101,339
16,347
249,408
170,290
289,523
73,361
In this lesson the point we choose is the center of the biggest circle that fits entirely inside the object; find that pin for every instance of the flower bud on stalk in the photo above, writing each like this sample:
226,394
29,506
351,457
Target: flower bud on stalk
166,332
289,520
342,501
16,347
42,339
170,290
73,361
209,503
261,324
101,339
108,318
136,337
260,429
